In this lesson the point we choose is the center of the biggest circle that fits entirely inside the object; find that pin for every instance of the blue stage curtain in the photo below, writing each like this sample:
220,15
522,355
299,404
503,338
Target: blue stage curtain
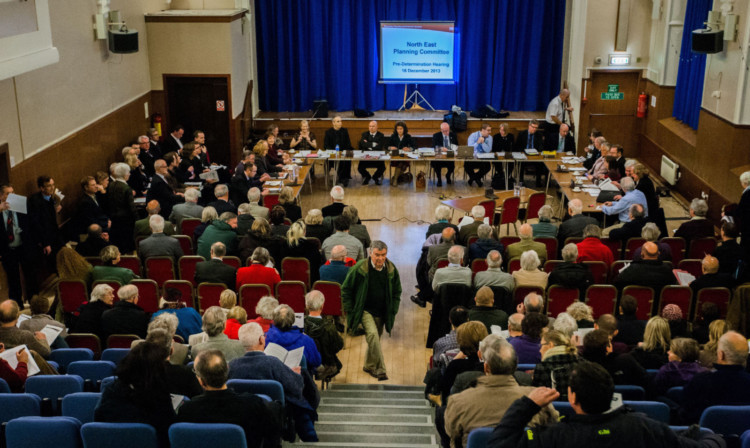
510,53
688,93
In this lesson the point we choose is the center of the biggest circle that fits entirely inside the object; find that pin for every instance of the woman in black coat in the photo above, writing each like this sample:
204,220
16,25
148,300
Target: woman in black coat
298,246
400,139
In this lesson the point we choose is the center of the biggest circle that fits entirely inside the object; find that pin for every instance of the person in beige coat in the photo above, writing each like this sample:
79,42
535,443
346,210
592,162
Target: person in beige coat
530,274
485,404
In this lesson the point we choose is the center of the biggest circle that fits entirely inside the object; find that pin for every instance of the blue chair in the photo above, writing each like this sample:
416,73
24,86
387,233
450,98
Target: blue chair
64,356
52,388
201,435
92,372
703,431
631,393
478,438
272,388
726,420
654,409
564,408
525,367
745,439
43,432
19,405
675,394
115,354
54,365
119,435
81,405
108,381
4,388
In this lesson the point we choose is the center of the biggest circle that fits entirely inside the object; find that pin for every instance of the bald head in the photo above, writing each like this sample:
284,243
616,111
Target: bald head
514,322
732,349
526,232
8,313
485,296
650,251
338,252
564,94
449,234
445,127
710,265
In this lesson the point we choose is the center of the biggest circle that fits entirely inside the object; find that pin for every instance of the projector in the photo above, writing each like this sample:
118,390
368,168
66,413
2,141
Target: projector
123,41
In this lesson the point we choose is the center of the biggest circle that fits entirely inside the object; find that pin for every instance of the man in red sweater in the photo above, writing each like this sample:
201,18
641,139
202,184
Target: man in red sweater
15,378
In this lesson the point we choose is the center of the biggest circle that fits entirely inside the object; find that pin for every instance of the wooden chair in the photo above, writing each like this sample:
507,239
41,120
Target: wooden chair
614,270
250,295
602,299
442,262
115,285
645,298
478,265
489,209
471,240
560,298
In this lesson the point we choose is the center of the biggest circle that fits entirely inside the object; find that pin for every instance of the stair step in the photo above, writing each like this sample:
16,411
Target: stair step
389,387
382,409
354,445
374,401
381,394
372,437
390,417
348,427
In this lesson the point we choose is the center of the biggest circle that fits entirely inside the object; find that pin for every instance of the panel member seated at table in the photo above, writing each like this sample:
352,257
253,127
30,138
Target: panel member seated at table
562,141
372,140
304,140
339,136
400,139
621,208
482,143
444,140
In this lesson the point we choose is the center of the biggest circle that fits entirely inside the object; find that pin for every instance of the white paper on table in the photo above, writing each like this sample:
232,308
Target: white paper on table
299,320
21,318
139,200
51,333
385,157
519,156
273,183
193,184
427,149
412,156
10,356
17,203
487,155
304,153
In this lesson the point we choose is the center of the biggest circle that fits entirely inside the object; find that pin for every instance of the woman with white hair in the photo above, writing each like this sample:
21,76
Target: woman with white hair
89,318
442,220
530,274
545,228
264,310
315,226
208,215
582,313
651,232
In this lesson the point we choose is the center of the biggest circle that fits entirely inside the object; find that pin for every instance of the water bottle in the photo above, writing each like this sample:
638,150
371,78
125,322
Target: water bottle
337,150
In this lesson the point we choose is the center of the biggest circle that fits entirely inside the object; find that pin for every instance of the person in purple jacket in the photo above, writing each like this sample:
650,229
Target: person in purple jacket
682,366
527,345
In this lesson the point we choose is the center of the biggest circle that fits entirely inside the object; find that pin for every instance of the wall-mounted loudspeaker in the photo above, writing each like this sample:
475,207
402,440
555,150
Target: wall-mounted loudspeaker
707,41
123,41
320,108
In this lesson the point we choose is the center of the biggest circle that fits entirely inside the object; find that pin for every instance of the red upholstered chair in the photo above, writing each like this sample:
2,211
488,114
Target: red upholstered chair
719,296
573,239
131,262
514,265
602,299
160,269
509,213
699,247
677,246
186,289
234,262
250,295
296,268
148,294
471,240
121,340
508,240
441,263
522,291
560,298
536,201
614,246
681,296
72,294
614,270
208,295
186,244
94,261
188,225
631,246
478,265
693,266
270,200
645,298
550,244
85,340
332,292
292,293
550,265
599,270
489,209
187,267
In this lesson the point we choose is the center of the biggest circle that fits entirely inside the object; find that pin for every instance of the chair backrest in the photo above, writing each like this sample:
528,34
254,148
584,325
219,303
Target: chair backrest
208,295
503,299
292,293
121,340
599,270
234,262
185,288
296,268
188,225
53,387
332,293
514,265
160,269
726,420
60,432
471,240
745,439
270,200
677,247
632,245
478,438
478,265
719,296
186,243
692,266
615,269
508,240
442,262
551,265
119,435
108,381
187,267
645,298
654,409
250,295
4,388
18,405
115,354
272,388
615,246
536,201
148,294
65,356
551,245
509,214
489,208
560,298
201,435
676,394
564,408
94,261
522,291
699,247
573,239
92,372
72,294
602,299
81,405
85,340
681,296
131,262
631,393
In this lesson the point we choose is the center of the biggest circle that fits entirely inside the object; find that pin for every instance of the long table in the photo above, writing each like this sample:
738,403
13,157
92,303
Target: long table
302,176
590,206
466,204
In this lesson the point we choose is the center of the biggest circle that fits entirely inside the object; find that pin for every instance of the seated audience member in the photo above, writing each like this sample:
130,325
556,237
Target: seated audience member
256,210
315,227
39,307
545,228
711,277
678,326
573,227
592,248
621,208
728,252
214,322
708,313
582,313
284,333
236,318
468,336
590,395
15,377
215,270
624,369
190,320
168,323
323,331
222,204
494,275
528,344
559,357
180,378
483,405
158,244
126,317
682,366
96,240
336,207
109,270
89,319
143,227
354,247
140,392
530,274
207,217
223,230
286,200
527,243
481,247
227,301
454,273
218,404
260,236
532,303
244,219
651,233
356,229
296,245
264,309
336,269
187,209
256,365
608,323
709,351
632,228
11,335
569,273
566,325
728,384
258,272
467,230
277,219
698,226
442,218
648,272
485,312
514,326
440,250
652,354
630,329
457,316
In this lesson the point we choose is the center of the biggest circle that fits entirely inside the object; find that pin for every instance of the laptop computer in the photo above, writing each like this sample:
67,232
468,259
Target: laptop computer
465,152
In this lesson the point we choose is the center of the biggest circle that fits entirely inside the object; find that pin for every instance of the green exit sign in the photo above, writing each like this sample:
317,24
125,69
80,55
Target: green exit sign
613,93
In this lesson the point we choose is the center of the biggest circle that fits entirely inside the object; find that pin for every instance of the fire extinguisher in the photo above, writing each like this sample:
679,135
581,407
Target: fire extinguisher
156,122
642,105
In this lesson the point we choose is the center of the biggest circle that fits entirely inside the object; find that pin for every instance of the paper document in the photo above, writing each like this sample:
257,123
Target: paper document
59,194
495,329
273,183
684,277
211,175
280,175
299,320
177,401
486,155
21,318
10,356
51,333
606,185
519,156
581,333
17,203
139,200
468,220
290,358
412,156
193,184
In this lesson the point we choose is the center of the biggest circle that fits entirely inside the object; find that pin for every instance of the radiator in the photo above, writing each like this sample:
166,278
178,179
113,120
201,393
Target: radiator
670,171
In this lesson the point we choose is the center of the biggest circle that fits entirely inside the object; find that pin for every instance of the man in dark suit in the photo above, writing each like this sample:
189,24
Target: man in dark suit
242,182
173,141
616,151
632,228
530,138
339,136
158,244
742,213
142,227
215,270
573,227
711,277
444,140
222,203
13,250
89,211
148,155
42,213
563,143
649,271
372,140
161,191
336,207
153,138
96,240
122,209
698,226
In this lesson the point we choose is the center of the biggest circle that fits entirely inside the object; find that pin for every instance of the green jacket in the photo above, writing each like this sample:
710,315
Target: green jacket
217,231
354,293
116,273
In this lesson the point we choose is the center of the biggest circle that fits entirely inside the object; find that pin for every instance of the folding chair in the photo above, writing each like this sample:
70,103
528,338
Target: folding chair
514,264
699,247
148,294
160,269
726,420
602,299
270,200
632,245
187,267
234,262
185,288
719,296
119,435
296,268
614,246
599,270
681,296
560,298
677,247
332,293
442,262
550,244
85,340
509,214
18,405
81,405
645,298
65,356
72,294
478,265
292,293
188,225
52,388
208,295
131,262
471,240
250,295
200,435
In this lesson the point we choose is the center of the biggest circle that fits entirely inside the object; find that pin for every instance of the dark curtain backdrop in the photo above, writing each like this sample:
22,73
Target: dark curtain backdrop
510,53
688,92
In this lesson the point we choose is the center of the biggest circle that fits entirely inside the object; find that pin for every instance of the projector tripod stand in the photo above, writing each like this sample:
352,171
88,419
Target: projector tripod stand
415,99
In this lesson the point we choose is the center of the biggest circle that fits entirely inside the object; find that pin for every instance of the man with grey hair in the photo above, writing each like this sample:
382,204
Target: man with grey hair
158,244
466,230
515,322
632,228
592,248
214,322
283,332
126,317
442,218
485,404
147,154
481,247
222,203
569,273
12,336
187,209
245,220
532,303
256,210
621,208
168,322
650,232
215,270
323,331
573,227
179,377
494,275
223,230
698,226
336,207
453,273
526,232
544,228
336,269
438,251
121,209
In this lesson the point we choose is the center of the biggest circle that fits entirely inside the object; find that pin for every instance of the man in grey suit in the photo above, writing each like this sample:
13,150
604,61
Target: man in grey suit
454,272
187,209
439,251
253,197
574,226
159,244
215,270
214,322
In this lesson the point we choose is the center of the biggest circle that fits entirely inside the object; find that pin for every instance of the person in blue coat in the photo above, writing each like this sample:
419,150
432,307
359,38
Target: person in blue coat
190,320
284,333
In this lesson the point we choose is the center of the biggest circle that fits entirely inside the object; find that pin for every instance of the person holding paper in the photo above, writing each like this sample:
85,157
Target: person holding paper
15,377
13,250
284,333
41,321
11,335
